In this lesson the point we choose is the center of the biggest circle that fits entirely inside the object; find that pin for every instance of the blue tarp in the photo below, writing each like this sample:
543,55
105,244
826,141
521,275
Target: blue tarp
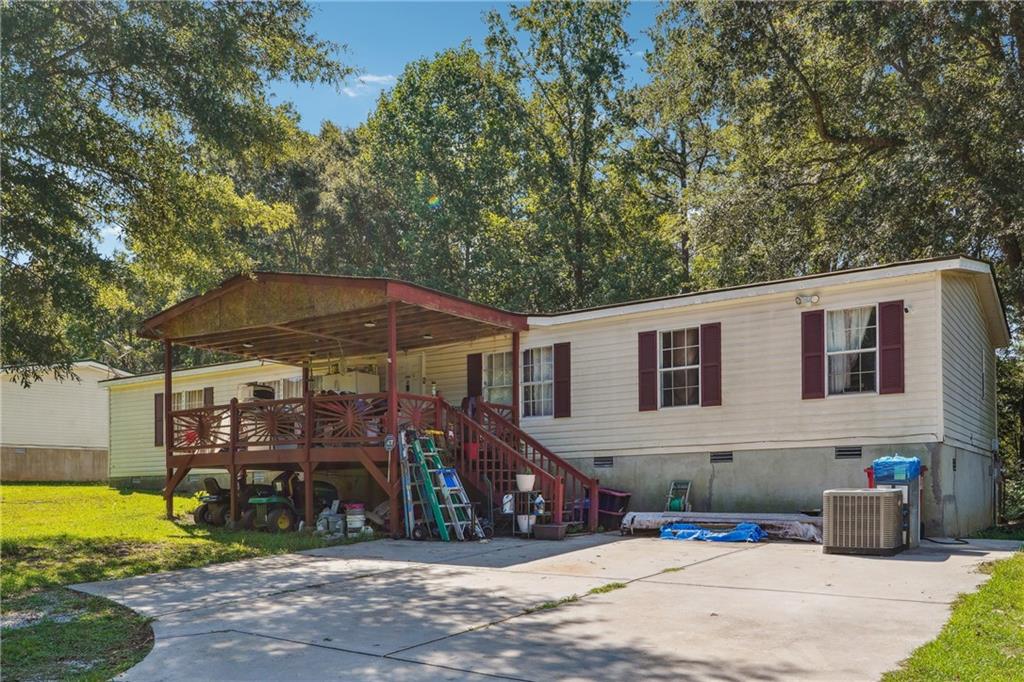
743,532
896,469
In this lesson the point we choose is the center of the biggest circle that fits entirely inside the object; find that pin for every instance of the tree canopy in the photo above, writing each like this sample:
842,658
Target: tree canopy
114,117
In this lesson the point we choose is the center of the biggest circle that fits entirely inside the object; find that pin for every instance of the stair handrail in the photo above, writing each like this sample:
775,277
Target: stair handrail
490,412
574,482
459,423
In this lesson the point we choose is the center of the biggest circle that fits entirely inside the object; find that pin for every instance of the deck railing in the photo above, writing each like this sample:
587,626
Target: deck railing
487,451
338,421
579,487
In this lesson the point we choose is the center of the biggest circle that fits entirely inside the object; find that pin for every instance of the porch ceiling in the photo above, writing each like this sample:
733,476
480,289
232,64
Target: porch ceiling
296,318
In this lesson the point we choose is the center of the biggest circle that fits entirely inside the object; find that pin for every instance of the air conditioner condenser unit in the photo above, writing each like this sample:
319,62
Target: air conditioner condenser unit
862,521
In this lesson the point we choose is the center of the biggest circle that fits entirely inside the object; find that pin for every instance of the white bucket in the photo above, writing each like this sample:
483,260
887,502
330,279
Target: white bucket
355,519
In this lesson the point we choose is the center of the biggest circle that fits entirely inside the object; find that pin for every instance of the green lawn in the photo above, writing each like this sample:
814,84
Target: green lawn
56,535
984,638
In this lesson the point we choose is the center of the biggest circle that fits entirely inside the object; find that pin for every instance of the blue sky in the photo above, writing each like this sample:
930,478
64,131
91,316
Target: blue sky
382,37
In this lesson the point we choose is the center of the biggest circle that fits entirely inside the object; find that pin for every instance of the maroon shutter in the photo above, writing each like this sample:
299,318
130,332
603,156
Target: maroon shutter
647,361
812,344
474,375
711,364
208,396
890,347
158,419
563,383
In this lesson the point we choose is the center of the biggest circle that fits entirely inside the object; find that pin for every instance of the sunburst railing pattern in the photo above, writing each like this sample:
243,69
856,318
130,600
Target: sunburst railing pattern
203,429
266,423
347,420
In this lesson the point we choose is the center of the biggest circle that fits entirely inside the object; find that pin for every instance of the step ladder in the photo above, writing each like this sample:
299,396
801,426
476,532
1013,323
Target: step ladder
437,491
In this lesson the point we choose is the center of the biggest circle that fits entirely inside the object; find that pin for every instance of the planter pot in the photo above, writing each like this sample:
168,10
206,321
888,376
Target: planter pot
524,522
524,482
550,531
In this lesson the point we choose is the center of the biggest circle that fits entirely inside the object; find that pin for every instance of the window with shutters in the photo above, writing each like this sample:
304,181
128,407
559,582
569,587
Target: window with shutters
187,400
539,382
851,349
679,367
497,378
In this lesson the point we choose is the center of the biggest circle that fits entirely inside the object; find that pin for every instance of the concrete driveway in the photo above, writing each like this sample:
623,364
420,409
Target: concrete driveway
402,610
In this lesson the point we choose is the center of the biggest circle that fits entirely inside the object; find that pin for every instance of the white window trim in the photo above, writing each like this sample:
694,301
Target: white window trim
523,384
878,337
700,372
510,386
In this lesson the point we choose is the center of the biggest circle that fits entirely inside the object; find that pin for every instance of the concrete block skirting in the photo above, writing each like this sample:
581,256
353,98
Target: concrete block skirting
27,463
790,480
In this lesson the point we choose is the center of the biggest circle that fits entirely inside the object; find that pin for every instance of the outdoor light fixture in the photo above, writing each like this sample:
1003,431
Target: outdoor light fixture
246,345
428,336
807,300
369,324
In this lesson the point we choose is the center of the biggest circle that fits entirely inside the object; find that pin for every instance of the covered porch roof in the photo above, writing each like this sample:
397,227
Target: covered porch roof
297,318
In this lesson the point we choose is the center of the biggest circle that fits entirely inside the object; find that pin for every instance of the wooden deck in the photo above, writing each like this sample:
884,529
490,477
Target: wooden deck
329,431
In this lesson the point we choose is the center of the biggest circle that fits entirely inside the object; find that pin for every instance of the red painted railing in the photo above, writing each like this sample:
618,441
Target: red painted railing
490,450
579,487
482,457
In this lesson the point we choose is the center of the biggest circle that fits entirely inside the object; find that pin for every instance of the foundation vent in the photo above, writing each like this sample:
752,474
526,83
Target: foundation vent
849,452
720,457
862,521
604,462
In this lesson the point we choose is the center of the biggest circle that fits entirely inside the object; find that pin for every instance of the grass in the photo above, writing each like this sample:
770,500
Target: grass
69,635
53,535
610,587
984,638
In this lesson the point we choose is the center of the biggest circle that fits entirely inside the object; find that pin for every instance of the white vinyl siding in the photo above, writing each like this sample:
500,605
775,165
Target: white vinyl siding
761,379
762,408
968,363
56,414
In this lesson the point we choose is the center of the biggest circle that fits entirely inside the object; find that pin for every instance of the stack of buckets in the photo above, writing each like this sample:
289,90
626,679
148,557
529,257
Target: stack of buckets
355,519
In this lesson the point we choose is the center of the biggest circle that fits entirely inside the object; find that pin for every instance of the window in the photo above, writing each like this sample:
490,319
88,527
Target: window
539,382
187,400
498,378
680,367
851,347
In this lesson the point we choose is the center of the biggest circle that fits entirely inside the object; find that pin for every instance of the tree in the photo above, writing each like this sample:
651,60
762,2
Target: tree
445,142
852,134
112,114
568,57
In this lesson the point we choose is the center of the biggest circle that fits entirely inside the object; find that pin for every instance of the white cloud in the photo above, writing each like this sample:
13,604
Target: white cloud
367,84
378,79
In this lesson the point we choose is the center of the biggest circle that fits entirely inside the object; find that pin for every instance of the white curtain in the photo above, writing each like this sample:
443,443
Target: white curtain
846,331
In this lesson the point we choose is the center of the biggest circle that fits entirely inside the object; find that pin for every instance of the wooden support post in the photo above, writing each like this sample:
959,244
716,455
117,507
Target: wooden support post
594,501
392,420
307,437
232,450
168,429
515,378
558,504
